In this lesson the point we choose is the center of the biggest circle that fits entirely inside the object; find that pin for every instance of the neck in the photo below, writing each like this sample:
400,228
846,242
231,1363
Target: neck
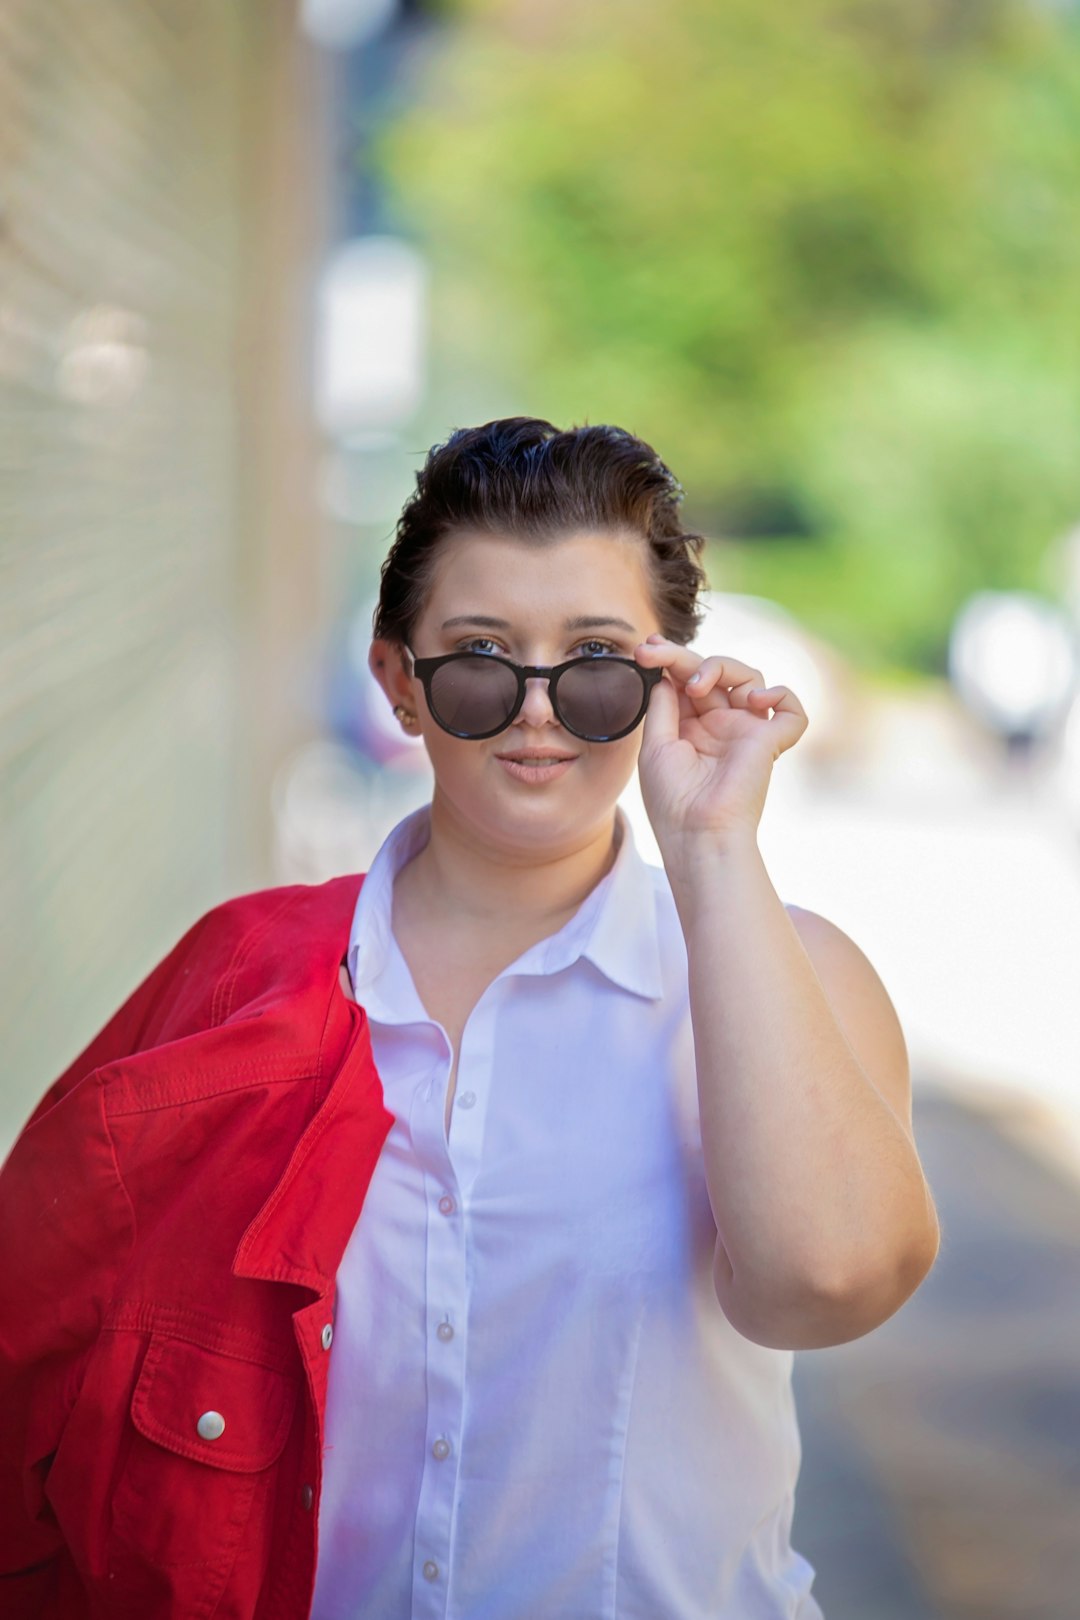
461,875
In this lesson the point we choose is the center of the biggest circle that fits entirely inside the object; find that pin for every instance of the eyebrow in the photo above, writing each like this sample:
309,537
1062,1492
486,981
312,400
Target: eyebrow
582,622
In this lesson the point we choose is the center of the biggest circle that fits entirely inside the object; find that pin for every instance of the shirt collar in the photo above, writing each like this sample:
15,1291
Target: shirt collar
624,941
370,935
615,927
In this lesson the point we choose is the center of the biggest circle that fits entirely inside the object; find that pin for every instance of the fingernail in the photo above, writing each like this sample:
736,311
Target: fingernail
693,680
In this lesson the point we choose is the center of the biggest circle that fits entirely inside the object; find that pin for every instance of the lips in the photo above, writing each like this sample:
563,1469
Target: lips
536,757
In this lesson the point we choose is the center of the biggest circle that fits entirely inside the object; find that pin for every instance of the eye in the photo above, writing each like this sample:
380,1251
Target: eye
594,645
471,645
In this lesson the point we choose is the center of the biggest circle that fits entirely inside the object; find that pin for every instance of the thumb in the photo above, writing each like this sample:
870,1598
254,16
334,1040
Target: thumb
661,717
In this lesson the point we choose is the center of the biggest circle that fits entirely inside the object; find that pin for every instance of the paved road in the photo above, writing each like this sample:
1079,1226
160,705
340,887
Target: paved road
941,1453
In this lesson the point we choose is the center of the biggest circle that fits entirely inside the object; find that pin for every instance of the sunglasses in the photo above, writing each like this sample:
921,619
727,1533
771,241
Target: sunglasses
475,695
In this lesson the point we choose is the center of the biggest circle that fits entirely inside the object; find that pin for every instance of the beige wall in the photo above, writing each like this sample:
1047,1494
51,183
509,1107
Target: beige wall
162,177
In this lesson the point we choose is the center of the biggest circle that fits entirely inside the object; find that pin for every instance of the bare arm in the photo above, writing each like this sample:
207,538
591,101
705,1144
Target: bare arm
824,1217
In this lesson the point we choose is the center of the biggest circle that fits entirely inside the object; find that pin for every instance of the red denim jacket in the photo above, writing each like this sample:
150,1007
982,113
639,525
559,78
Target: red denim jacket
172,1217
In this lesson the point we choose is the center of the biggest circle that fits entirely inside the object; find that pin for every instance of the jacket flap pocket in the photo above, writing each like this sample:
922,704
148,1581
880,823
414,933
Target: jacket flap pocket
212,1407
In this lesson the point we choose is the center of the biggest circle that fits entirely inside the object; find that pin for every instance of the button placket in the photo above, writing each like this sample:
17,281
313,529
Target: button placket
438,1489
445,1163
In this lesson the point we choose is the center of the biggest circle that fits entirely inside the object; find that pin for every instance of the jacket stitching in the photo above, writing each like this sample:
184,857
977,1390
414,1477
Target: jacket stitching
220,1338
121,1183
221,1006
316,1130
254,1075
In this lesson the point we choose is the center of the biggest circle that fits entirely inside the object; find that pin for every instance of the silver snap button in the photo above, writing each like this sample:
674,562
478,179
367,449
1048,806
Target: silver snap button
467,1099
211,1426
431,1571
446,1204
445,1332
327,1336
307,1497
441,1449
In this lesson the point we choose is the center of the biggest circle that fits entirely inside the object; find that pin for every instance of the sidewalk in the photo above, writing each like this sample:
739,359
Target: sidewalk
941,1453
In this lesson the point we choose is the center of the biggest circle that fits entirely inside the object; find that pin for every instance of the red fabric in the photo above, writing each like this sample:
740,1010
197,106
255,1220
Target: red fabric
172,1217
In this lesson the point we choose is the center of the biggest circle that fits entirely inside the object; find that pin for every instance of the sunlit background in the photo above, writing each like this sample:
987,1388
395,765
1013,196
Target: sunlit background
256,258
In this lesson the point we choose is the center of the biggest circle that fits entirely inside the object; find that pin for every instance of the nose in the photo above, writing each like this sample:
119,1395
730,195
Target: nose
536,709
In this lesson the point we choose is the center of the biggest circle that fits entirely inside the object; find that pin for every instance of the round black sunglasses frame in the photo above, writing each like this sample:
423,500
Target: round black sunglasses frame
424,669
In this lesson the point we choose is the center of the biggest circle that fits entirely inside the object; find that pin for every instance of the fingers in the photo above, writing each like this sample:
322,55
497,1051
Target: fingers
697,676
781,700
725,682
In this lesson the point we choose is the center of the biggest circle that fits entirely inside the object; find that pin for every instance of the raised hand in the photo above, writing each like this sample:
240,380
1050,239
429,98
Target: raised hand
711,736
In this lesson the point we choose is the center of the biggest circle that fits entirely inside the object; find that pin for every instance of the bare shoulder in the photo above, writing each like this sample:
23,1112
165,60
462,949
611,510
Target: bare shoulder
861,1005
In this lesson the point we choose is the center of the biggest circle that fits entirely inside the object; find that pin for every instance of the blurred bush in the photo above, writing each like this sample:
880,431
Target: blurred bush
824,257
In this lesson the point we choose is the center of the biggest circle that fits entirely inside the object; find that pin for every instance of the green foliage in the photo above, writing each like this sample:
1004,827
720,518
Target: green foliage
825,257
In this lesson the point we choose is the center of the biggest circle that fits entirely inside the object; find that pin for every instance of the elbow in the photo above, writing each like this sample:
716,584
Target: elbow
817,1315
851,1309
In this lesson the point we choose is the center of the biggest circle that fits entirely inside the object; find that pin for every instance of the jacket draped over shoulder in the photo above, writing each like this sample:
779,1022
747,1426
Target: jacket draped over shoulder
173,1217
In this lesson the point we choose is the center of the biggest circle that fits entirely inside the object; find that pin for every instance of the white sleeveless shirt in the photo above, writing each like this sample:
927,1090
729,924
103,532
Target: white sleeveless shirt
537,1409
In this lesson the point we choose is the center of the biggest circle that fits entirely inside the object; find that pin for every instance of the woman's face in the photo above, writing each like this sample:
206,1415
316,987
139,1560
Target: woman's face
501,595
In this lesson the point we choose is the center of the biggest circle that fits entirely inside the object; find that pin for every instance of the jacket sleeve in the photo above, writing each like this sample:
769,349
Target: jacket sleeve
66,1230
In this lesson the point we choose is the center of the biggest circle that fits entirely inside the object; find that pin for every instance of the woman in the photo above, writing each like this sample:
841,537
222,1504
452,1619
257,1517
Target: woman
633,1136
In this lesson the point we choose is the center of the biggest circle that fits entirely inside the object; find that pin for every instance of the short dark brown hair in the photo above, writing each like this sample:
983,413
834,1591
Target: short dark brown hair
521,476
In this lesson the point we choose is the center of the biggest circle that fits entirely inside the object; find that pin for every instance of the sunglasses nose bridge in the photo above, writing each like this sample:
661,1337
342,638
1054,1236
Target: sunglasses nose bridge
536,704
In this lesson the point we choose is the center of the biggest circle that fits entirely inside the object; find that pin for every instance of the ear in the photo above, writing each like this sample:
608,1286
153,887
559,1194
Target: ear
386,662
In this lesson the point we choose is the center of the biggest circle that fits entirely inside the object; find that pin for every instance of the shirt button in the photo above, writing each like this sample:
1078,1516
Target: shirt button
307,1496
327,1336
446,1204
441,1449
467,1099
445,1332
211,1426
431,1571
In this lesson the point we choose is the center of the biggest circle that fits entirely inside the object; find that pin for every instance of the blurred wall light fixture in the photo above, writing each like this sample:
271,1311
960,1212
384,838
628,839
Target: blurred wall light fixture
1013,661
103,358
370,335
340,24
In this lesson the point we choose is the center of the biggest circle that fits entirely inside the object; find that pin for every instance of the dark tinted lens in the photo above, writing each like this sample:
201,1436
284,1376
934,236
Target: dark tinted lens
600,697
473,694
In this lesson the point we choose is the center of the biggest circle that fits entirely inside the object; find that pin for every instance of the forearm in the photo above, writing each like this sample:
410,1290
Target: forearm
819,1198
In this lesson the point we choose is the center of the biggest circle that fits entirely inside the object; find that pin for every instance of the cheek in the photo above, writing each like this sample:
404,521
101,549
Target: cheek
452,756
616,761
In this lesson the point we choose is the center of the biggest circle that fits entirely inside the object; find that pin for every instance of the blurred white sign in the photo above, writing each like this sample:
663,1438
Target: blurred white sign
339,24
370,335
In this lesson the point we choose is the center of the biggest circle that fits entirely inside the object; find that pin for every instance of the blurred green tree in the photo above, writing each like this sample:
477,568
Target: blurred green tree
824,257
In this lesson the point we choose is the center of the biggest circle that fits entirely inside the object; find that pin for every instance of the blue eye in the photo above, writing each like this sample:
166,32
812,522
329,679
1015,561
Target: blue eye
594,647
470,645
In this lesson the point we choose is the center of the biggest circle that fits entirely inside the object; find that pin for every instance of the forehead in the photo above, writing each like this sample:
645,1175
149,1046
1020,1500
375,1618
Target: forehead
516,578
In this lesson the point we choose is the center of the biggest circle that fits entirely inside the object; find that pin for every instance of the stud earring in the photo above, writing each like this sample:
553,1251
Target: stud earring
405,715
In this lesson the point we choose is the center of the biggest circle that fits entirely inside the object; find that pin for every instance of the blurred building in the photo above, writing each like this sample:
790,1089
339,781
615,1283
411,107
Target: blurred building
165,190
